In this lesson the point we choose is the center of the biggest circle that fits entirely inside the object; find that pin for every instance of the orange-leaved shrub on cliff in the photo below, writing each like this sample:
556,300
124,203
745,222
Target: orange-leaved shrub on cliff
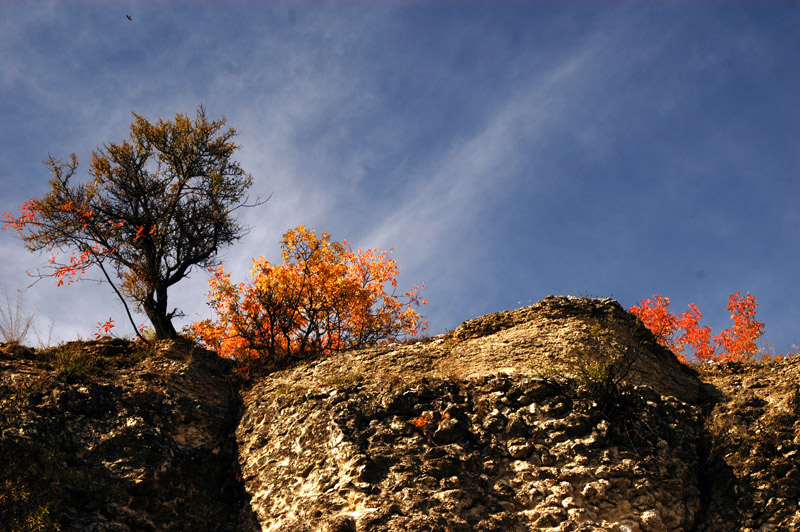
325,297
737,343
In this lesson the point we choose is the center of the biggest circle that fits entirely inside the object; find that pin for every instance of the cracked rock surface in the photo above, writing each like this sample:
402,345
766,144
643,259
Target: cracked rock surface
500,425
565,415
490,453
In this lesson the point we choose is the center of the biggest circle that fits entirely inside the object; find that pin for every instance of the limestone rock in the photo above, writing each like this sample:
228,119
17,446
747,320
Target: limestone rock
565,415
315,456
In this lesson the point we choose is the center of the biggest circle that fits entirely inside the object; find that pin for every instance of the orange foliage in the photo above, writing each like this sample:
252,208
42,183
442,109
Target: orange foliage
324,297
33,216
420,422
27,215
740,341
104,328
735,344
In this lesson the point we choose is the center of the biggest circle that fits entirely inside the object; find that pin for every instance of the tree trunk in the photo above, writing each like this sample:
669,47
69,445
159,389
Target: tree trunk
156,311
163,327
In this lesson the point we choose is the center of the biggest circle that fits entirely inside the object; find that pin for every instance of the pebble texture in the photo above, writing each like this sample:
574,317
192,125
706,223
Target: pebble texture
493,453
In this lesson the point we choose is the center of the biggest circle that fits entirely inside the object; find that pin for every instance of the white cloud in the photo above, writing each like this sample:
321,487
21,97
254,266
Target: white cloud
427,130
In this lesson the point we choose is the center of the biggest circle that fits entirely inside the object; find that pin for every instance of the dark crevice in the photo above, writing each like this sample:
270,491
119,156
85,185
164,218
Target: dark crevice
715,478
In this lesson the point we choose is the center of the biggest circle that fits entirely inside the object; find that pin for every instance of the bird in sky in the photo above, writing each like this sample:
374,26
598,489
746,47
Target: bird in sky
128,17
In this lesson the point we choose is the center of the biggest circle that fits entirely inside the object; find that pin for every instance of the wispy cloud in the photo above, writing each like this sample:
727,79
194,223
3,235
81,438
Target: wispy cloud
503,153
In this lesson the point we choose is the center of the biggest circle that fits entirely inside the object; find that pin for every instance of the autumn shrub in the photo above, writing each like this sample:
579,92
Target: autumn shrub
324,297
737,343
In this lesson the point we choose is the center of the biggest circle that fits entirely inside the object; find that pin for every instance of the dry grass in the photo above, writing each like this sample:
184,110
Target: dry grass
15,321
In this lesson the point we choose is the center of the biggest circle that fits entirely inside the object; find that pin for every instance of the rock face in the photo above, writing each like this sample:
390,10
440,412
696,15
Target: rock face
99,437
493,453
753,435
565,415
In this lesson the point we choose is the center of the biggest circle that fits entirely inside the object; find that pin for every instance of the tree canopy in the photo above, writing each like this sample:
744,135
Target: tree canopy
155,206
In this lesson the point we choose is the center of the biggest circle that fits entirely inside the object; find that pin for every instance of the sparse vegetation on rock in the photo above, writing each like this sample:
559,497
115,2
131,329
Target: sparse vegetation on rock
115,435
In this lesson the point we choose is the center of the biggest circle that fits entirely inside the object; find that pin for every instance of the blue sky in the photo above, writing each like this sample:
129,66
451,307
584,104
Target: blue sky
505,150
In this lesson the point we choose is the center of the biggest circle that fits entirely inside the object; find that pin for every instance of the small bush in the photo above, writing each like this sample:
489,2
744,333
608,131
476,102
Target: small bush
737,343
325,297
604,380
602,372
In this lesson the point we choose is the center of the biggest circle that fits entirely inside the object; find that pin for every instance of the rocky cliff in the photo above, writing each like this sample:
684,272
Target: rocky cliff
565,415
102,436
